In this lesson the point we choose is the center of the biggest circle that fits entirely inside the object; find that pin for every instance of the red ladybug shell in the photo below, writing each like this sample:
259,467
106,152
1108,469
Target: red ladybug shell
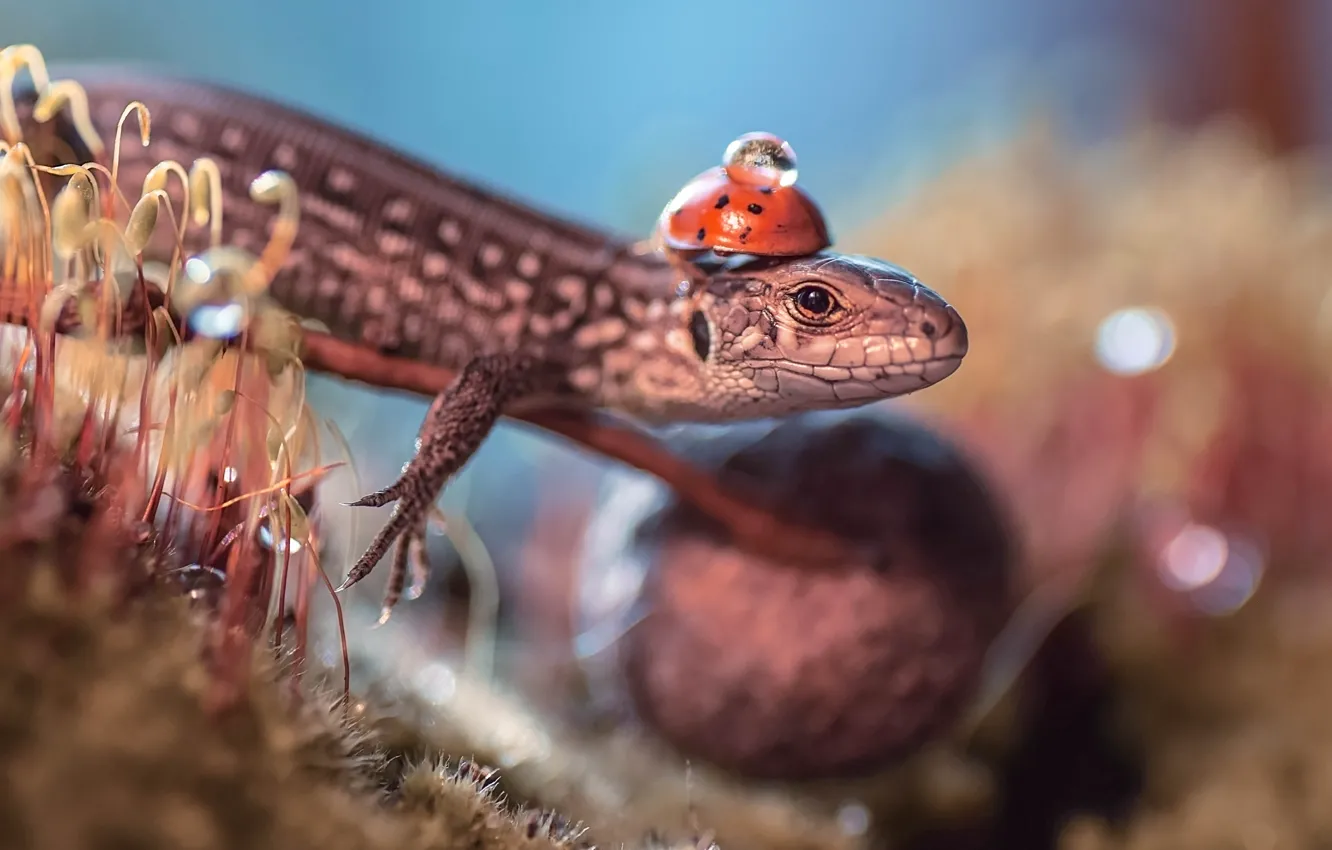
715,212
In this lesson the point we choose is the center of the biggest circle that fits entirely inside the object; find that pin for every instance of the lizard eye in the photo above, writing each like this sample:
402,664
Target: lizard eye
814,303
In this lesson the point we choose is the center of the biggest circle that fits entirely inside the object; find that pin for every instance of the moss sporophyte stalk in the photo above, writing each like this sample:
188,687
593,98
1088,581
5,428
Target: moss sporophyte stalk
156,462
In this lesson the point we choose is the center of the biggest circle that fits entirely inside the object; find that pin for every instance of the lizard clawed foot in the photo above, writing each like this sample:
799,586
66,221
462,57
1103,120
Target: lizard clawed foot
415,492
458,422
409,555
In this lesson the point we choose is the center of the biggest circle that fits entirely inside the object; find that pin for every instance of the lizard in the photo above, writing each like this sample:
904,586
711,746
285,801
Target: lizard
423,279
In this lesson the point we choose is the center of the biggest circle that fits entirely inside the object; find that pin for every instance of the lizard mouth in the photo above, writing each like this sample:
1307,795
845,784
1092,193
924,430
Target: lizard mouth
951,343
852,387
801,387
878,367
900,380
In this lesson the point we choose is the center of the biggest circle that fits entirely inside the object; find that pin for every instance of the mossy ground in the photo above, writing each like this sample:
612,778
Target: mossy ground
1230,723
130,716
111,736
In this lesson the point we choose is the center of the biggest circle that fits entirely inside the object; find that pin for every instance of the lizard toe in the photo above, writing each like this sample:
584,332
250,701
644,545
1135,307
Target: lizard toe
410,552
379,497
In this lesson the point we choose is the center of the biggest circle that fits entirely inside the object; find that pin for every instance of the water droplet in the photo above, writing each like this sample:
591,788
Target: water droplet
218,321
284,544
211,293
1218,572
437,683
1194,557
203,586
198,270
207,295
853,819
1135,340
760,159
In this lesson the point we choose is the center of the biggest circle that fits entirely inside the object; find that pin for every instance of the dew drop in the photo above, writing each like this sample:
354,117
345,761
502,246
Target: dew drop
760,159
283,543
202,586
197,270
210,295
218,321
437,683
1216,571
853,818
1135,340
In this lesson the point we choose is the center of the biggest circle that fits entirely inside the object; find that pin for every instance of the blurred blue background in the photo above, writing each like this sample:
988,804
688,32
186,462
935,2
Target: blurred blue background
601,110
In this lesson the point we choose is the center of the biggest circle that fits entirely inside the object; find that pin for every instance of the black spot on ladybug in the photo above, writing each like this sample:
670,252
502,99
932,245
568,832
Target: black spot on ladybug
723,201
744,234
701,234
755,209
767,190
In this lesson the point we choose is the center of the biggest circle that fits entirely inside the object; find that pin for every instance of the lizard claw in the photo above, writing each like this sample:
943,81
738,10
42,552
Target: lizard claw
408,521
420,564
379,497
410,550
457,423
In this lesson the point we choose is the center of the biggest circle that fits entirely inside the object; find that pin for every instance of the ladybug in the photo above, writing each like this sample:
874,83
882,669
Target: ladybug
747,205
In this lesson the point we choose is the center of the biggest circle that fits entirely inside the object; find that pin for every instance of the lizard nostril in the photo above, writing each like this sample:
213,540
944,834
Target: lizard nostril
928,329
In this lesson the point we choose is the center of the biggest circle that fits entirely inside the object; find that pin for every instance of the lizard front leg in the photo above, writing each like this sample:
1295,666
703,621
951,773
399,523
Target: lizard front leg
458,422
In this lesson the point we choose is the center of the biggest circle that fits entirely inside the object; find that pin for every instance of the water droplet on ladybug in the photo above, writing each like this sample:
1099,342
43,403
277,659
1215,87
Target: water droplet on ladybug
748,205
760,159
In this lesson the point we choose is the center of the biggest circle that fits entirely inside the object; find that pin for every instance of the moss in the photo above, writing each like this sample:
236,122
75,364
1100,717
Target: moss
1229,719
119,729
108,739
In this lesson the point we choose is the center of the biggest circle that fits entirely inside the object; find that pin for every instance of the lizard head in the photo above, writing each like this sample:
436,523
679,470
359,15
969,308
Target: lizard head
768,337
